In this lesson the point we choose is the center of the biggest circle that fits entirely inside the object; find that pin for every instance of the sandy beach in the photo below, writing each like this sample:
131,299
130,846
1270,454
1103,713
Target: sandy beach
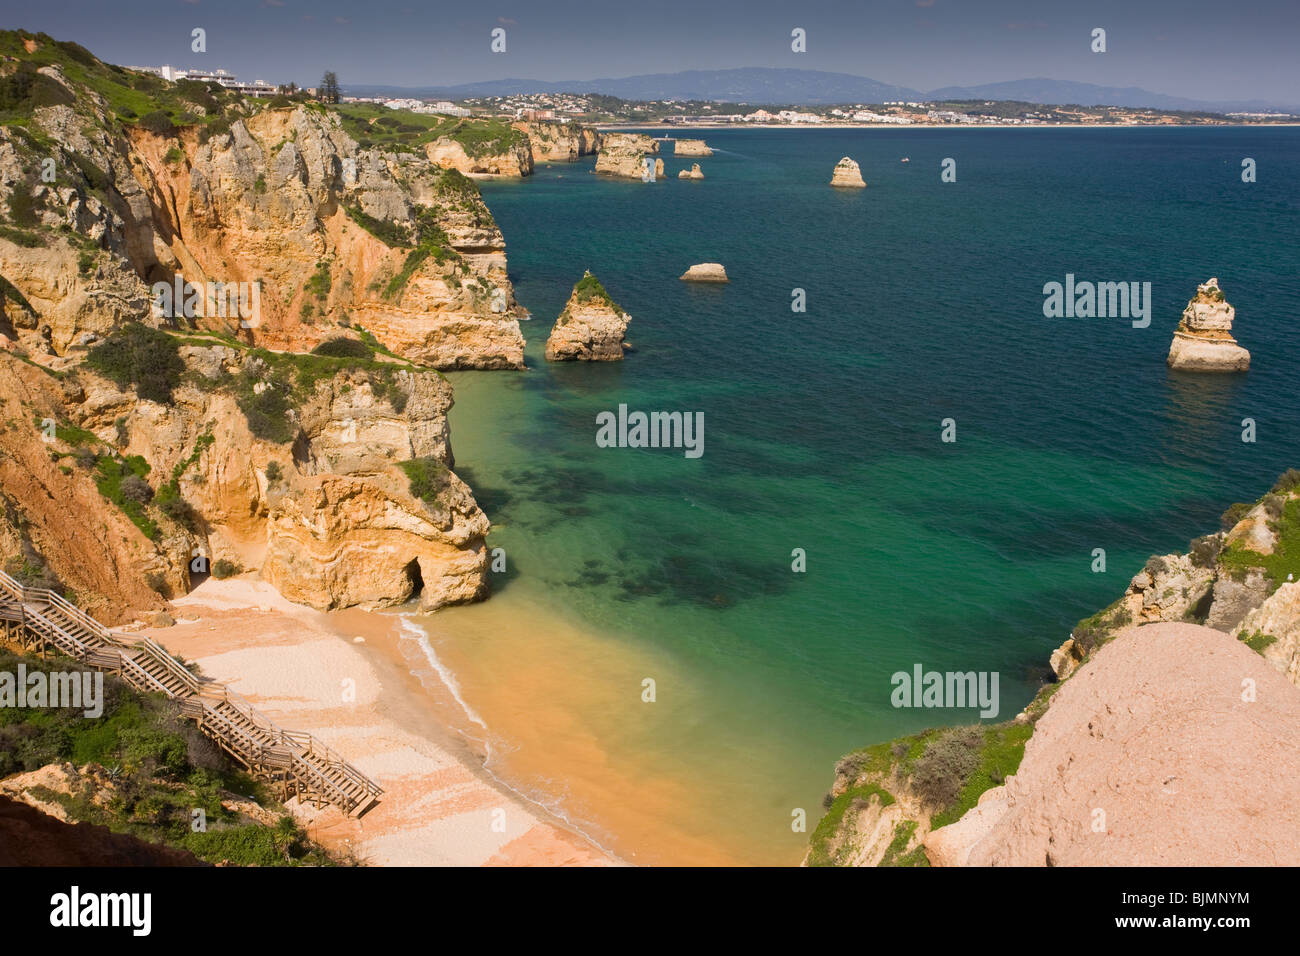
343,677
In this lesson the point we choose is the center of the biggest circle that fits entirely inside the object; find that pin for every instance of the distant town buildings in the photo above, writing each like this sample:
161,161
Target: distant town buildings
222,77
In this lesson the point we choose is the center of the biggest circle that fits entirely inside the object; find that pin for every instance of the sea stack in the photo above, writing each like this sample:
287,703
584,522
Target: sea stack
591,327
692,173
705,272
847,174
691,147
624,155
1203,341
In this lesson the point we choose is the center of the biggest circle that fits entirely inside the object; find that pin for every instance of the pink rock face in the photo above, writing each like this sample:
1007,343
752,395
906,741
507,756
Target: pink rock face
1155,753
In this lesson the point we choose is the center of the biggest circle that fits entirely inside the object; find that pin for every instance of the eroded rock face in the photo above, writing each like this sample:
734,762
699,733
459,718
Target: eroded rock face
515,160
623,155
847,174
328,517
558,142
1276,625
1178,784
691,147
590,329
1203,341
692,173
284,202
350,540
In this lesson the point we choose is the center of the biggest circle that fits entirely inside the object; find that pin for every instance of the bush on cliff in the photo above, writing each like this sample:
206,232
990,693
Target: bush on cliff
428,477
136,355
344,347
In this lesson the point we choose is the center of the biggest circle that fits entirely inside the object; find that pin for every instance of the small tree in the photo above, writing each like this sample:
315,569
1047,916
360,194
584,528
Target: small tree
329,88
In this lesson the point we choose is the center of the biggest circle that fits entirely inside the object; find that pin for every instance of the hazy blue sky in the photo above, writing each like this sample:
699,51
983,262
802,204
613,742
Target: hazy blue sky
1191,48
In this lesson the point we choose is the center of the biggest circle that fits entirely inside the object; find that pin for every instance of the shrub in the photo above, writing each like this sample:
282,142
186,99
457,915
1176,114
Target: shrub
222,568
136,355
158,123
1205,550
427,477
344,347
941,772
1229,519
134,488
1288,482
1155,565
273,472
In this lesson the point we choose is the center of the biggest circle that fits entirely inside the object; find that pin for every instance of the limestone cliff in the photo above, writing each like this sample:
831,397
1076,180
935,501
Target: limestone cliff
511,157
277,202
624,154
847,173
1203,341
554,142
330,476
591,327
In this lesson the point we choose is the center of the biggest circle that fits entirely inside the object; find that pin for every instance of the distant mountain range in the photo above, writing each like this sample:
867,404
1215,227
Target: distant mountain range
814,87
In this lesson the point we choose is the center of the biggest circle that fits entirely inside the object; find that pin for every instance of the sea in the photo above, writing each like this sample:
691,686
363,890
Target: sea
678,649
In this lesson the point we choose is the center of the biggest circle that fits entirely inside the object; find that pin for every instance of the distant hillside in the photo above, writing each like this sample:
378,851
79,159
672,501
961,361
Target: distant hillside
1041,90
815,87
747,85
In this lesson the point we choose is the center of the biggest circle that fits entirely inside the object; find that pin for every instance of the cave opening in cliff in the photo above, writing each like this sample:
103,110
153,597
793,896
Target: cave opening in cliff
414,578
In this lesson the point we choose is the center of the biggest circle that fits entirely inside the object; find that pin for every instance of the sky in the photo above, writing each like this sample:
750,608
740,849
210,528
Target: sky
1199,49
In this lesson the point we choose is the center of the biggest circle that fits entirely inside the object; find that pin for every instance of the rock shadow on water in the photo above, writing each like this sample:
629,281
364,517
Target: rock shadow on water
704,580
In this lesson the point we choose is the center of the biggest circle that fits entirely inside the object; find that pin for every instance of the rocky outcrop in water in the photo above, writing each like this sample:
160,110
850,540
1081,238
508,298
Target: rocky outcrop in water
691,147
1203,341
692,173
623,155
705,272
554,142
591,327
514,159
847,173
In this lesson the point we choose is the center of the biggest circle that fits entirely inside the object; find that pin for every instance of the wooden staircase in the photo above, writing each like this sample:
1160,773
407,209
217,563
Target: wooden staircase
297,764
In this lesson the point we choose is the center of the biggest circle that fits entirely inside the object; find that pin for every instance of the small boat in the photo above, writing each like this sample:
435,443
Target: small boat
904,160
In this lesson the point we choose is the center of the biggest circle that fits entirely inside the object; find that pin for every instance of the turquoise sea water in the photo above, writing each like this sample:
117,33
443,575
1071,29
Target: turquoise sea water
822,430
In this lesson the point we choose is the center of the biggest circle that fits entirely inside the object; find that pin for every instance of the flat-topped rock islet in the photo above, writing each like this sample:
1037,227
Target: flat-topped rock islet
847,174
1203,341
591,327
691,147
705,272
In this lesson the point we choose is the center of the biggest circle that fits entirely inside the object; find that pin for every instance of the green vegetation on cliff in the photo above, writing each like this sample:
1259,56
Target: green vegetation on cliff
428,477
1284,562
944,770
373,125
147,771
139,98
141,357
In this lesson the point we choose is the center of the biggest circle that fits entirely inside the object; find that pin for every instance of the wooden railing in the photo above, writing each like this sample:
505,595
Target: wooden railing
299,763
